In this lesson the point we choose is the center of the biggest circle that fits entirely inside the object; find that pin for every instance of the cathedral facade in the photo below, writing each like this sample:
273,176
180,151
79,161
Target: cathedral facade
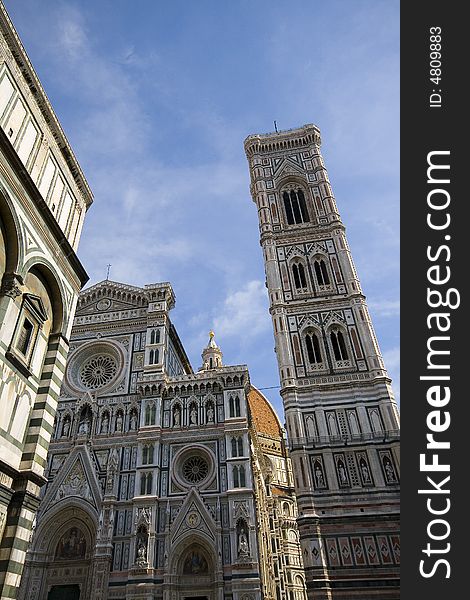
43,201
162,482
341,416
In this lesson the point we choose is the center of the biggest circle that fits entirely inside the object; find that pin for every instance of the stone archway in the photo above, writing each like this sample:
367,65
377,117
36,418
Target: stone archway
60,564
194,571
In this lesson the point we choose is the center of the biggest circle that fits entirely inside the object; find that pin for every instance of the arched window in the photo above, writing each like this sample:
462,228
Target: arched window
313,348
298,271
239,478
156,356
295,206
321,272
147,454
146,480
339,346
150,412
151,357
237,446
234,406
152,336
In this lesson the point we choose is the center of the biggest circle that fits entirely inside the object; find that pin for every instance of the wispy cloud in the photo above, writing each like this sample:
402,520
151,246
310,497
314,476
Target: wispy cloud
244,312
384,308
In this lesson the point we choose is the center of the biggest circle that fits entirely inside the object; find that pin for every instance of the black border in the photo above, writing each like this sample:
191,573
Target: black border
425,129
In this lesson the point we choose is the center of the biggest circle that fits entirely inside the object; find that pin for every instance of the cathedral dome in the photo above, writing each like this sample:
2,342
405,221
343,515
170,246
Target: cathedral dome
263,416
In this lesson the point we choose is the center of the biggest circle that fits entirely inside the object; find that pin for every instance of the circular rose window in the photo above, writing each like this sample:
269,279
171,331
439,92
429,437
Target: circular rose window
98,371
195,469
97,365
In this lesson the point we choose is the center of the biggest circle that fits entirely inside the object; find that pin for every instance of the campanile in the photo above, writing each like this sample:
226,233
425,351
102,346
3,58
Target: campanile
341,416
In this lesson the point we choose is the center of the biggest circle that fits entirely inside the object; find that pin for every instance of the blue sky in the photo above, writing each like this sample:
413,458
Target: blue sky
156,99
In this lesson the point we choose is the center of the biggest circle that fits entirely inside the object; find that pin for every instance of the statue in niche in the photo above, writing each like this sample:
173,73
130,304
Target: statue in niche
141,554
243,548
119,421
66,427
210,413
84,426
193,415
365,471
105,423
176,416
342,472
141,546
389,472
133,421
319,478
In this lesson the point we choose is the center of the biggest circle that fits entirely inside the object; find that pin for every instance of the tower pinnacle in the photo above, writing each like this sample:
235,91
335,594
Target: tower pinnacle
212,354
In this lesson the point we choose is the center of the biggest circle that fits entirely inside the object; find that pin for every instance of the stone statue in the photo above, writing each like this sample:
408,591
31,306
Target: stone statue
133,422
342,473
105,423
193,415
141,554
389,471
84,426
176,417
66,427
243,549
365,472
319,476
210,414
119,421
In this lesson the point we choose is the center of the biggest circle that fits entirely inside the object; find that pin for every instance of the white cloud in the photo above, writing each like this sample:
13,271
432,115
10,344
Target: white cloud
384,308
244,312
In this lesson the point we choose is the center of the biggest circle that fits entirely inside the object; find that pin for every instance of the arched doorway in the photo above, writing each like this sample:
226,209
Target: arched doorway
64,592
196,572
61,555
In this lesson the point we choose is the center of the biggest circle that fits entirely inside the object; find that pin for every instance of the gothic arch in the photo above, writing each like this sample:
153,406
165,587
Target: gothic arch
193,565
65,543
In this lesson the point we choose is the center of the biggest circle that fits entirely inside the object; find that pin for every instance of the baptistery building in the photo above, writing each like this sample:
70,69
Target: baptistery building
162,481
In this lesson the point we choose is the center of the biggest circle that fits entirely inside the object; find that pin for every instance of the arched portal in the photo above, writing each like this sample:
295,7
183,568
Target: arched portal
62,555
194,570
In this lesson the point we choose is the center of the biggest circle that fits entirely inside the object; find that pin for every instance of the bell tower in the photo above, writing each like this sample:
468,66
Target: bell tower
341,416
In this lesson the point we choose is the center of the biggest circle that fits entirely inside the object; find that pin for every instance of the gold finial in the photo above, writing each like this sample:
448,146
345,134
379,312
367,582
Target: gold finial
211,334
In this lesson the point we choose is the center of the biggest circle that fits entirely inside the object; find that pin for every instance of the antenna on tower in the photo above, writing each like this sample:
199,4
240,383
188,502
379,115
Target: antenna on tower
275,126
107,271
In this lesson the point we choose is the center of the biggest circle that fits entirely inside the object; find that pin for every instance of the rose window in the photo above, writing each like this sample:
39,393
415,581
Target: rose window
195,469
98,371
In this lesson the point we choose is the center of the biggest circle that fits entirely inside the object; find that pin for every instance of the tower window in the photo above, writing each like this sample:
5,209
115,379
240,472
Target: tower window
313,348
295,206
339,346
154,356
300,281
321,272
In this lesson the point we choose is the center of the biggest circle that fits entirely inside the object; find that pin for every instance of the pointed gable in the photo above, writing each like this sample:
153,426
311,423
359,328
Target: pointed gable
76,479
